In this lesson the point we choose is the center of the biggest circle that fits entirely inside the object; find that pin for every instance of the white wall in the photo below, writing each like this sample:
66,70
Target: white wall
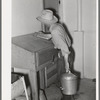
89,27
90,54
87,34
70,14
24,13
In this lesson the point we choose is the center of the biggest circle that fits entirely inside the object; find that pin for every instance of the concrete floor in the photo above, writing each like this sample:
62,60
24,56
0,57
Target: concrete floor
87,91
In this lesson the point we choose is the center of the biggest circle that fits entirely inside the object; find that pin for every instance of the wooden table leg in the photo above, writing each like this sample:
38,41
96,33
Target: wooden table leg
34,84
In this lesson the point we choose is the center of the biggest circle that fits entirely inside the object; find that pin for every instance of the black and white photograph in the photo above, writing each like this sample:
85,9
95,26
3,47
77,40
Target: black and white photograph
50,49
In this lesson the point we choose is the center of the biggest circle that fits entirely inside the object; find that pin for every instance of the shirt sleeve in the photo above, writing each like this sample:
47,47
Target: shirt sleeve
59,41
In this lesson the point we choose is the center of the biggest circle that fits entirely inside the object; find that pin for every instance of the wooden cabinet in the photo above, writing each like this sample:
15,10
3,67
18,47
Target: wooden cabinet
37,58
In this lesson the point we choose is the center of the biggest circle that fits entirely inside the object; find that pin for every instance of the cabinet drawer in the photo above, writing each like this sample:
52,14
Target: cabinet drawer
45,56
50,74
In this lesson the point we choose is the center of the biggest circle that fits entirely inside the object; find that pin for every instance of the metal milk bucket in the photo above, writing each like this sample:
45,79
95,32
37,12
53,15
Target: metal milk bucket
69,83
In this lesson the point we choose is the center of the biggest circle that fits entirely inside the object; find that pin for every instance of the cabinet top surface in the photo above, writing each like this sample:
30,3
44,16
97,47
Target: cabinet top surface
31,43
